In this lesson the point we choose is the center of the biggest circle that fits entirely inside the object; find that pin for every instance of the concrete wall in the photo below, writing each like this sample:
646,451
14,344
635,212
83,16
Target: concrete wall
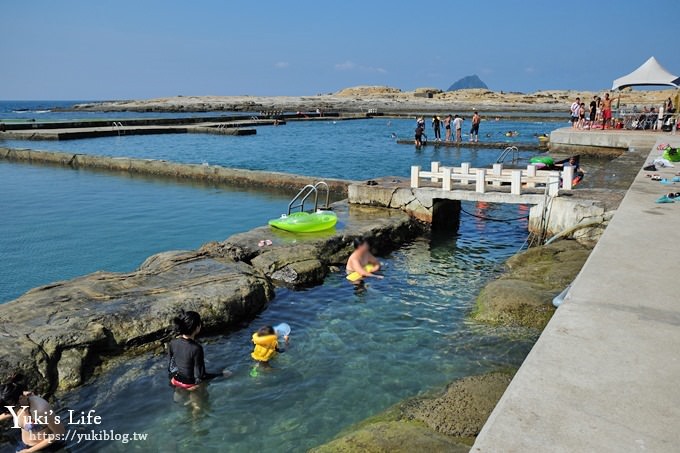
160,168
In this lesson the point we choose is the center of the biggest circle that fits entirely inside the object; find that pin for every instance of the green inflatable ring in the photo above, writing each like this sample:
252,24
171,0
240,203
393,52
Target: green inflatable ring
545,160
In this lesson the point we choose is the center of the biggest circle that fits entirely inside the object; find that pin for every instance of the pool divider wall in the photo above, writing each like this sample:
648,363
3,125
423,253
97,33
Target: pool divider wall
57,334
162,168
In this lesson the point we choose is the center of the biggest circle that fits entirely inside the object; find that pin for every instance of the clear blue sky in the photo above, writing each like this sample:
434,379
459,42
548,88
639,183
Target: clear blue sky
72,49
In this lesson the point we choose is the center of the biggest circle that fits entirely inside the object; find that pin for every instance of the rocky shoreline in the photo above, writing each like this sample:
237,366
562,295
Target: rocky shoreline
58,334
381,99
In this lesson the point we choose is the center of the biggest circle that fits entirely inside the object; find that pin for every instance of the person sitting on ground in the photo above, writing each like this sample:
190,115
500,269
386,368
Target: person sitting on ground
40,430
579,172
362,260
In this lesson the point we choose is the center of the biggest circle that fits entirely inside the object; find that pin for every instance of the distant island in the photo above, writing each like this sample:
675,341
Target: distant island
468,82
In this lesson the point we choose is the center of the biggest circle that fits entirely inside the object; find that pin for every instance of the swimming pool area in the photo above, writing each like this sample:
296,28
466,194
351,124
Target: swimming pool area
357,149
352,354
61,223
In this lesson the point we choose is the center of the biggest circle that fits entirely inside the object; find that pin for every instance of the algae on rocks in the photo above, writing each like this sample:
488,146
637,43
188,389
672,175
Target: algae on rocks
522,296
446,422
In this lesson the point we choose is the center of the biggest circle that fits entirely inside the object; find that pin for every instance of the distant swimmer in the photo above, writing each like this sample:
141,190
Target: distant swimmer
361,263
393,135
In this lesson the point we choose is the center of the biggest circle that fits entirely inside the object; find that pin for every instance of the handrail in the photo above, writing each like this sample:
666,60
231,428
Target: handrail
510,149
496,176
306,191
328,195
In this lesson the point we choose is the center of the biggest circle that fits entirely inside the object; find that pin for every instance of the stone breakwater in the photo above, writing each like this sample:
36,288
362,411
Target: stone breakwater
165,169
58,334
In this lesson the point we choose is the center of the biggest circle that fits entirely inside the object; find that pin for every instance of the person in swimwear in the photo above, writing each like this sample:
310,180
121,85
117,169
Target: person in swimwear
46,436
606,111
266,346
186,366
362,257
447,126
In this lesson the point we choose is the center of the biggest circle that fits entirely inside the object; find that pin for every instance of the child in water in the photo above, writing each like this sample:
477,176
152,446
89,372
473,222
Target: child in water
266,345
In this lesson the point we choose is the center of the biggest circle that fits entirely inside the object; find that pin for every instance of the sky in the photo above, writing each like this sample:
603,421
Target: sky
72,49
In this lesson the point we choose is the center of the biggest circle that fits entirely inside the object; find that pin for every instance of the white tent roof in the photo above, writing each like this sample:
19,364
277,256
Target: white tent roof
650,73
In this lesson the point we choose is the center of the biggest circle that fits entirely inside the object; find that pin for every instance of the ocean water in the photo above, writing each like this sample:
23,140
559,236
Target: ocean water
357,149
352,354
59,223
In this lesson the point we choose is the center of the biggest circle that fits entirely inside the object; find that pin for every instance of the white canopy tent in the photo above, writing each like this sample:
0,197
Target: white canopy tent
651,73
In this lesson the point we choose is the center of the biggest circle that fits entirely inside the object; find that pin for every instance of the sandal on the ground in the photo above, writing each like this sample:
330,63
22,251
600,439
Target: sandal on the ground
665,199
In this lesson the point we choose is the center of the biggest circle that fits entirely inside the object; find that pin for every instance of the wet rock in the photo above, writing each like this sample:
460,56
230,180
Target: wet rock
70,368
446,422
463,409
52,332
396,436
523,295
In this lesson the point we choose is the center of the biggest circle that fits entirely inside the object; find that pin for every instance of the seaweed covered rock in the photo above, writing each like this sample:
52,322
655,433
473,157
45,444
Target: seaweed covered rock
522,296
396,436
446,422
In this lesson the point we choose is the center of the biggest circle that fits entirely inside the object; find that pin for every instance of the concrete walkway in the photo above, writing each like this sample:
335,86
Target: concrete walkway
605,374
597,141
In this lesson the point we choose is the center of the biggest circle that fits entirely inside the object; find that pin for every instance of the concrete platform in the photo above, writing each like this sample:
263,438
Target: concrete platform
528,146
577,141
603,376
73,133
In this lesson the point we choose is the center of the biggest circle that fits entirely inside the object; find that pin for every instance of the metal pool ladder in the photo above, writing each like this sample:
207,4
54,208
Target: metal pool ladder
307,191
510,149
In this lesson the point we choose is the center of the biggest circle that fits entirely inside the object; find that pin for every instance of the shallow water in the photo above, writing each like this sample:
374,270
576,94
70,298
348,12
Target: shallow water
58,223
357,149
351,354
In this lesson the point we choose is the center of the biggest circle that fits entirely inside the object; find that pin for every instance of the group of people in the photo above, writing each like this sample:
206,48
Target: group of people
661,118
452,124
186,368
598,115
598,112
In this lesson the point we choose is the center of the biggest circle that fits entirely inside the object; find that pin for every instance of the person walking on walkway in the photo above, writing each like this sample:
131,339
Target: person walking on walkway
458,126
436,125
447,126
474,130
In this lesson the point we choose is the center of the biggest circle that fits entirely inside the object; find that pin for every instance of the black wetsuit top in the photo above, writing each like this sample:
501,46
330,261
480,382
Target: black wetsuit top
186,362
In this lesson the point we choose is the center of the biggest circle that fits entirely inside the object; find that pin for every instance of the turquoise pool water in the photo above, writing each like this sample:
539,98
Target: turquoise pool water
359,149
351,354
59,223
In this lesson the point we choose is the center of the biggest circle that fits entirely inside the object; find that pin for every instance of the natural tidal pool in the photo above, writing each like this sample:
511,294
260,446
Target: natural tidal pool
58,223
352,354
357,149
